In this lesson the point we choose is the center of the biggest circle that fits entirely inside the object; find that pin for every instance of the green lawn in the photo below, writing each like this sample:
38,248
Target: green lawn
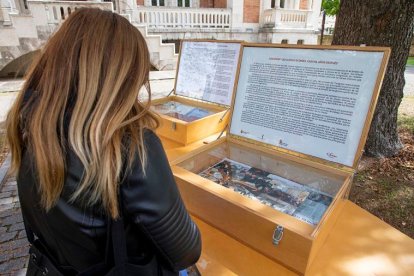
406,122
410,61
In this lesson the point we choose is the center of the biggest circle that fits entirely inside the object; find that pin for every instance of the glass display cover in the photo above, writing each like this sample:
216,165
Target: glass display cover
302,192
183,112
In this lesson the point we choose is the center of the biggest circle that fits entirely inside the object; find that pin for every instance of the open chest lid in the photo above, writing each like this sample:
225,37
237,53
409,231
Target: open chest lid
207,70
316,102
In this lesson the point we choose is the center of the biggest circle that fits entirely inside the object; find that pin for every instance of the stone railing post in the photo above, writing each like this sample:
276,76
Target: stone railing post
5,9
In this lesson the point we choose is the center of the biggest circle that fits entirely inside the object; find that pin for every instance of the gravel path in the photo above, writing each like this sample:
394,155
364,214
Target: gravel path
409,81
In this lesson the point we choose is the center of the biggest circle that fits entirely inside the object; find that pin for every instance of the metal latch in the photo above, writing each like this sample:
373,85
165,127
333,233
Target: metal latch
174,126
172,91
277,235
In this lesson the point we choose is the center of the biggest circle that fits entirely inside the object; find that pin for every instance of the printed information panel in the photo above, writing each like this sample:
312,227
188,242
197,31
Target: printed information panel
207,70
312,101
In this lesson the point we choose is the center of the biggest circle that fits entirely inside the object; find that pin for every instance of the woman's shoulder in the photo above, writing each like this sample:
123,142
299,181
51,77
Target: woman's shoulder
150,136
154,151
152,142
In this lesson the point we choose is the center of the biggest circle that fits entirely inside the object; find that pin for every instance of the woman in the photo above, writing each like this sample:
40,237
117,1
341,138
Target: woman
83,151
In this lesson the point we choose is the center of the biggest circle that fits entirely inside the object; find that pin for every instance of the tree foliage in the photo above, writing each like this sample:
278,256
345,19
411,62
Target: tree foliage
331,7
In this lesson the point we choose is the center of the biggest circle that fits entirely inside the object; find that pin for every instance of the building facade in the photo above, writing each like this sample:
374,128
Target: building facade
272,21
25,25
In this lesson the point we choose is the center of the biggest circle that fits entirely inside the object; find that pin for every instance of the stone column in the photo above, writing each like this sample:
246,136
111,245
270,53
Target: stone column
314,14
21,5
265,5
236,7
170,3
194,3
297,4
277,4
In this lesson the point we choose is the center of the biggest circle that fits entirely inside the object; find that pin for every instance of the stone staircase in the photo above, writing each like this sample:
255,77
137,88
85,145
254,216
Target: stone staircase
163,56
24,32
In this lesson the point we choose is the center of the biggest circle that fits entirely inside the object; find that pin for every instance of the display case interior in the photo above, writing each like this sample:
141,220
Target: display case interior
184,120
202,91
299,122
278,204
301,191
182,111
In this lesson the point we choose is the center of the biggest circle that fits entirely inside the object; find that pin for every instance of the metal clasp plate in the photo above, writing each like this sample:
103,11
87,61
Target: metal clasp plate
277,235
174,126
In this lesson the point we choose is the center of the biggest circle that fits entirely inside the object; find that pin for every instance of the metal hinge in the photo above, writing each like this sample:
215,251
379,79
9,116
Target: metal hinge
172,91
222,117
277,235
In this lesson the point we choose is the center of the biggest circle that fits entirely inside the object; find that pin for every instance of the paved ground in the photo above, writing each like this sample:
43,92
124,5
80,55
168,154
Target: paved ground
14,246
6,100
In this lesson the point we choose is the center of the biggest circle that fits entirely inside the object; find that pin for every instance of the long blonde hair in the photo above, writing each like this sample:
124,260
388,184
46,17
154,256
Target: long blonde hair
90,73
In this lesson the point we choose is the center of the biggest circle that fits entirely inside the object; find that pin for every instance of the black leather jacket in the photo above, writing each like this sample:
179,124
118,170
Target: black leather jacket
156,221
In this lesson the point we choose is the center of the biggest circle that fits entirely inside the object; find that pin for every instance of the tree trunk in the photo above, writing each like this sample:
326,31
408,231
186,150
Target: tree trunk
380,23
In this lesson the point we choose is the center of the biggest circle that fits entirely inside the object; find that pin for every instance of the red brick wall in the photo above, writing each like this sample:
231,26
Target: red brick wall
213,3
206,3
303,4
140,2
251,11
222,4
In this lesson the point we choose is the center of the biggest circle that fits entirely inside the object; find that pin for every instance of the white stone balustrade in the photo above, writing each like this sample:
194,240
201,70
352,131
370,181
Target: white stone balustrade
57,11
185,18
283,18
7,7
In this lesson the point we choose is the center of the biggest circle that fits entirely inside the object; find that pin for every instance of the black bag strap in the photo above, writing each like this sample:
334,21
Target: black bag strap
119,246
108,244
